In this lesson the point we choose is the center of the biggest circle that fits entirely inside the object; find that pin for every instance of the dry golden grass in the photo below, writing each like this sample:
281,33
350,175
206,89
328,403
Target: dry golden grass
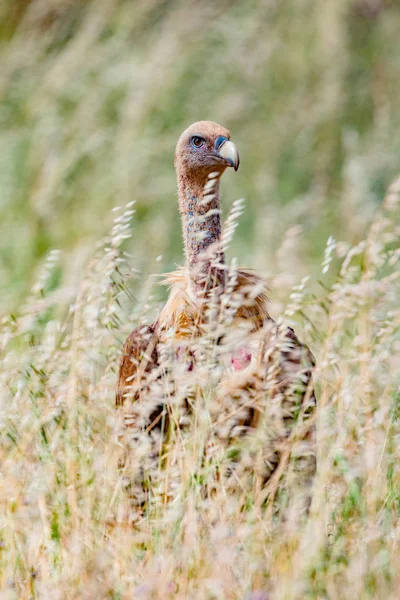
93,96
63,507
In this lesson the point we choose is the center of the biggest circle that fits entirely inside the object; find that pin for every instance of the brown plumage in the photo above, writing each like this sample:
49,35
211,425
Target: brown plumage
262,374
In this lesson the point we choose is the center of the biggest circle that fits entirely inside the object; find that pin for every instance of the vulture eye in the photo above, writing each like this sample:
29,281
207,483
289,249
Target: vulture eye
197,141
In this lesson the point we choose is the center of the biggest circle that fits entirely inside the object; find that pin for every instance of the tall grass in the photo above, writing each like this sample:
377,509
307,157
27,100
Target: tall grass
67,527
93,97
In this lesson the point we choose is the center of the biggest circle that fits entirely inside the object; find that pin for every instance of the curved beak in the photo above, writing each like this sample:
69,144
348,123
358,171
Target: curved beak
228,151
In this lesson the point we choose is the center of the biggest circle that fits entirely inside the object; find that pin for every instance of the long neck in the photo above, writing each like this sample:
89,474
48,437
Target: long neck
199,205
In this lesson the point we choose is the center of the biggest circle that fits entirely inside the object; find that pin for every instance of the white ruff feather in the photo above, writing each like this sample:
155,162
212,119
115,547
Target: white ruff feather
184,312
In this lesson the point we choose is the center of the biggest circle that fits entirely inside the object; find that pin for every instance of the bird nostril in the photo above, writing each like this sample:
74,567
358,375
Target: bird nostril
219,141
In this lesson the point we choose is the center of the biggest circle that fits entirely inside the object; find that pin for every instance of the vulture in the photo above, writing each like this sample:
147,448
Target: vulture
214,391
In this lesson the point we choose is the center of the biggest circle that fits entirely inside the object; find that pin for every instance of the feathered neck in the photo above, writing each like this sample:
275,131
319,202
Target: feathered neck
199,205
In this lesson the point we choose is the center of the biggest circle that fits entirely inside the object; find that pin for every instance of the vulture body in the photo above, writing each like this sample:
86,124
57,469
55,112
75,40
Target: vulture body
214,351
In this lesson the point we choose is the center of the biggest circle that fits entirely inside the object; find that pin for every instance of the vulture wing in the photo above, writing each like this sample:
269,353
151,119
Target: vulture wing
289,365
138,362
273,395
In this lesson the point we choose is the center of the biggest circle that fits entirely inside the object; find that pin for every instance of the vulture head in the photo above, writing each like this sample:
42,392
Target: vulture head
203,148
203,152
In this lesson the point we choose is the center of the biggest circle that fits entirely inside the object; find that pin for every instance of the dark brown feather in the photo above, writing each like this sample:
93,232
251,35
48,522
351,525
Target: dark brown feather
139,358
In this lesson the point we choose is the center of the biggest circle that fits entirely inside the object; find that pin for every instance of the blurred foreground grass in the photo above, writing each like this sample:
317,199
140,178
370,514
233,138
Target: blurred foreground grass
93,98
66,523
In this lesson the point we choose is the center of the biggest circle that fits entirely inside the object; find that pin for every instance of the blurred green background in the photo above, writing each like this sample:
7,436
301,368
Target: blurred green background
93,96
